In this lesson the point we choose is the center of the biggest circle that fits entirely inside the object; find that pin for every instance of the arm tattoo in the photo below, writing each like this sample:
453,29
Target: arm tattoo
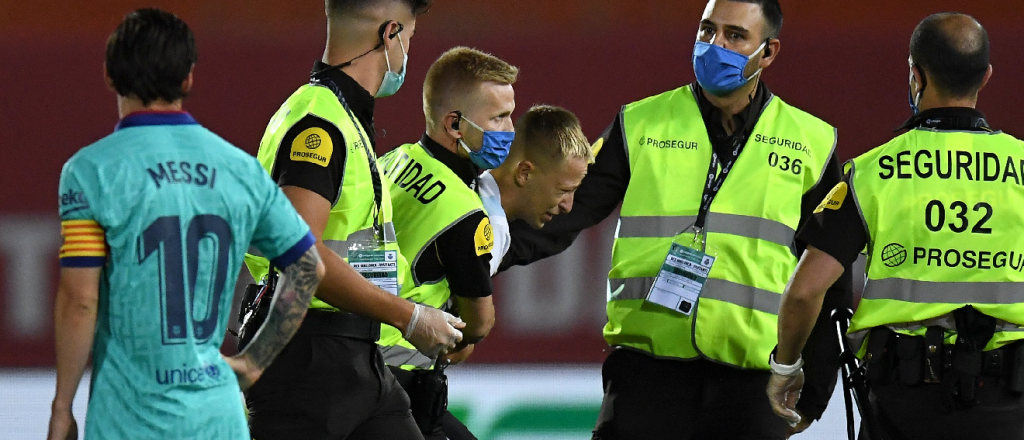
294,292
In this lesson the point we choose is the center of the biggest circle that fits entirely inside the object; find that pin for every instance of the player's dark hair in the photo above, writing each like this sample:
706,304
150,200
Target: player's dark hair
953,52
417,7
150,55
772,15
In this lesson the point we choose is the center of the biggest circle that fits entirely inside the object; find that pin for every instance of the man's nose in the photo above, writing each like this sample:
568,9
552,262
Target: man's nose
566,205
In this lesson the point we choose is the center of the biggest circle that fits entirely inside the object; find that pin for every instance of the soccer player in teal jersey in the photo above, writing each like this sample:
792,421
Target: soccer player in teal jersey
156,218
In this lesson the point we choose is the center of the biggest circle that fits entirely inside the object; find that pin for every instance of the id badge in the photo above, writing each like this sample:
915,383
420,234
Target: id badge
682,277
377,265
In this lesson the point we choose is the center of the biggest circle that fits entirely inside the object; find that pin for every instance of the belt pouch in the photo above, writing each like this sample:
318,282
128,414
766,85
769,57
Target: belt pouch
910,362
879,363
933,350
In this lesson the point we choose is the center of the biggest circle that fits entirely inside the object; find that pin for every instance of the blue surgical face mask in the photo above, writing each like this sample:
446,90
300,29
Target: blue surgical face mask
493,150
915,101
393,81
720,70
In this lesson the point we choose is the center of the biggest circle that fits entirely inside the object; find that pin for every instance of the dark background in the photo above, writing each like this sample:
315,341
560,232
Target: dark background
845,62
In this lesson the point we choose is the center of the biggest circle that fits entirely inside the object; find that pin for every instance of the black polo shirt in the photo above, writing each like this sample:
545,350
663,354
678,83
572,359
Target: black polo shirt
325,180
841,232
453,254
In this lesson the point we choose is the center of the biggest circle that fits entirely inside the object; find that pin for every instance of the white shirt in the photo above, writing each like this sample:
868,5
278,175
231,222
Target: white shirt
491,198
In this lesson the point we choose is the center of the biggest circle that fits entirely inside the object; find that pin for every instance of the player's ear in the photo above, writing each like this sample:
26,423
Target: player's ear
108,79
522,172
186,86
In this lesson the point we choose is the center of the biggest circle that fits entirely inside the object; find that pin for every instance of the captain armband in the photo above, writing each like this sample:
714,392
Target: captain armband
84,244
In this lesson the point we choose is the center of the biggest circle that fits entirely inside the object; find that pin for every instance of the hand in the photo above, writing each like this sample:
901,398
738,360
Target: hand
433,331
62,425
783,393
459,355
245,371
805,422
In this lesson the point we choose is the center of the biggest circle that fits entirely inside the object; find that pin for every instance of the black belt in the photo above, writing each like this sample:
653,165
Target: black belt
915,359
344,324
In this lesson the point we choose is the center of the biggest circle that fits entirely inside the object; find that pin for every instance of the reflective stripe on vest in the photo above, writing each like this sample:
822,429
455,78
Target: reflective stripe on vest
928,292
741,225
722,290
421,215
341,247
942,210
397,355
351,216
750,227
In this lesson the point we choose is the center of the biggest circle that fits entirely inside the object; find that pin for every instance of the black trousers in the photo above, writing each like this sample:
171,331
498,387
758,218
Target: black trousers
329,387
450,428
918,412
650,398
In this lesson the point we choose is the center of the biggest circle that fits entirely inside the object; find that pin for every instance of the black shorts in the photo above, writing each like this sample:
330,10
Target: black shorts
650,398
329,387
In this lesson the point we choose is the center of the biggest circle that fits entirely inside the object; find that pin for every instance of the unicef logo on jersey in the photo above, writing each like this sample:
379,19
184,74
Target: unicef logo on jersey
213,371
184,375
894,254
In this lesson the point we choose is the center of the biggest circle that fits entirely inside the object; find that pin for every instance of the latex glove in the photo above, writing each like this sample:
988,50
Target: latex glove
783,393
800,427
433,331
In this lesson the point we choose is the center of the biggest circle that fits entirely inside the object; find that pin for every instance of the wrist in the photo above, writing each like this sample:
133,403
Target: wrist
413,318
399,313
60,406
786,369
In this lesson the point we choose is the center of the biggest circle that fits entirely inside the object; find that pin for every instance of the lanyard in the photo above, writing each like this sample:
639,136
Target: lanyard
371,158
714,183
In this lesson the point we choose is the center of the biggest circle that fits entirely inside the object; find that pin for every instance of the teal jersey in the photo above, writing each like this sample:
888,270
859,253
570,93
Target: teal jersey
168,209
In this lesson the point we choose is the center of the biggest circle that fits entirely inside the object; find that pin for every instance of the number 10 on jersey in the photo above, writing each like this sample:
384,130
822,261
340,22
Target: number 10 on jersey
163,239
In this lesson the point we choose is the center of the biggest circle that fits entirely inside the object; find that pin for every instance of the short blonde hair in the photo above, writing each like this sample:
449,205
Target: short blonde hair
456,73
551,134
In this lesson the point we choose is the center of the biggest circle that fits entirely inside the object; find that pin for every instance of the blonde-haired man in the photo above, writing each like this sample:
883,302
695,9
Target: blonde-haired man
440,223
539,178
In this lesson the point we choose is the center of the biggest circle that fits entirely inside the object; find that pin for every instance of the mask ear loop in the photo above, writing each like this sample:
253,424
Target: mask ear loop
763,47
924,83
380,32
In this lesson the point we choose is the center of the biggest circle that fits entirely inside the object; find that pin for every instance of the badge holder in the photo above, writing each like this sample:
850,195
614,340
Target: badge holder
376,264
684,272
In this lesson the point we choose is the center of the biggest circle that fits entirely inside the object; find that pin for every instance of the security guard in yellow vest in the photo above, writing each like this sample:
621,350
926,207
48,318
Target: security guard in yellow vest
714,178
330,381
440,222
939,209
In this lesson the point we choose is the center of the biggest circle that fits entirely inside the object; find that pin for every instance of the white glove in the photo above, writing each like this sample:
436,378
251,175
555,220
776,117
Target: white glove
433,331
784,389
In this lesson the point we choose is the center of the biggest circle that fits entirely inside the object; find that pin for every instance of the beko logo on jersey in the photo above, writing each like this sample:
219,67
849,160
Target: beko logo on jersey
677,144
183,375
72,198
782,142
